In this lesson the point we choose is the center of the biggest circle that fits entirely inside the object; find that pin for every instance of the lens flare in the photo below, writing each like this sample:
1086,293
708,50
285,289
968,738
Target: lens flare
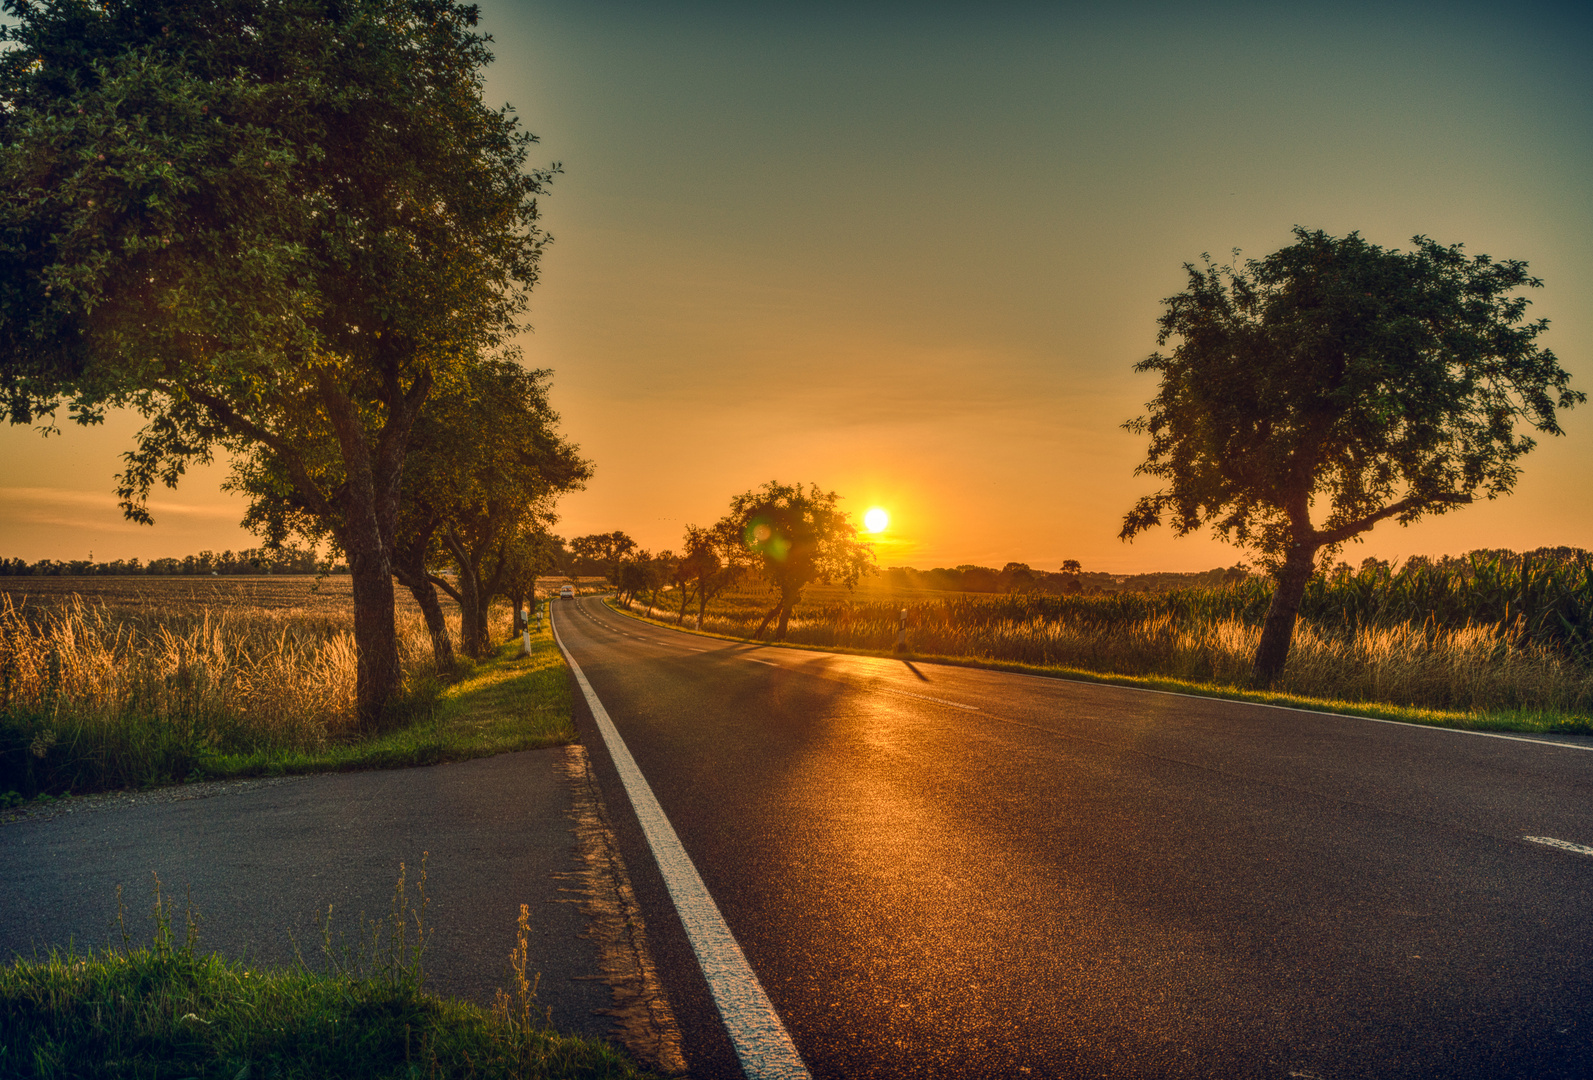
876,520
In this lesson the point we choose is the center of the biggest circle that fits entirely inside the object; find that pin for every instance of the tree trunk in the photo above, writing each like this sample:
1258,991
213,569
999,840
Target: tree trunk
370,503
685,598
409,567
778,609
785,616
471,638
442,649
472,619
420,586
377,674
517,598
425,594
1278,631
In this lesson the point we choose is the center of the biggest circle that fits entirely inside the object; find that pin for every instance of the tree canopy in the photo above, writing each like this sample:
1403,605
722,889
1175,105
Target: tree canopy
606,549
1335,384
798,535
265,224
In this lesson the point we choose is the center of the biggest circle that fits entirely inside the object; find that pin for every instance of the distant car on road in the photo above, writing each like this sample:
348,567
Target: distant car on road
566,592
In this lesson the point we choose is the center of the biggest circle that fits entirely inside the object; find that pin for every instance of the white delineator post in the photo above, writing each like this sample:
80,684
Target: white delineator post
901,633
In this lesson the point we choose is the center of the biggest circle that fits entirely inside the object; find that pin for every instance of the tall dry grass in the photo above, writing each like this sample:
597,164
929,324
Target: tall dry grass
1473,667
95,696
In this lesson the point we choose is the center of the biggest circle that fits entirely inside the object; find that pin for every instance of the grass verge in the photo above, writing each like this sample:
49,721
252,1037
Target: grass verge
503,703
1523,721
166,1010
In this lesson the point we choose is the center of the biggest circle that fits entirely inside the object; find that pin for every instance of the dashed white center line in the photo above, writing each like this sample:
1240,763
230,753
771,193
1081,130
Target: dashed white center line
1563,845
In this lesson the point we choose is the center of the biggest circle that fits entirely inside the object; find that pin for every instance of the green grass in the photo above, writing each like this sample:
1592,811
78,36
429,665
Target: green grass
503,703
1530,721
496,705
167,1010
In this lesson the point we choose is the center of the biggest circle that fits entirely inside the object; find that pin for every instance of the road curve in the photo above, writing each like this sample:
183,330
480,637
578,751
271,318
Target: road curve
946,872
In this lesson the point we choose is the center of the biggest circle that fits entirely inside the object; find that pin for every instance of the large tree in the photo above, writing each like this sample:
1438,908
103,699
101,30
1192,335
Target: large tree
484,467
267,225
798,535
489,466
1333,385
609,550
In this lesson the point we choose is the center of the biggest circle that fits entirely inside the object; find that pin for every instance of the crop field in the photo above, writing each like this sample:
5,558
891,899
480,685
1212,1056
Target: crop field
1484,637
110,682
254,658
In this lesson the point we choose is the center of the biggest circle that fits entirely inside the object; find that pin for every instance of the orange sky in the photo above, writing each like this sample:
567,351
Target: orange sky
912,255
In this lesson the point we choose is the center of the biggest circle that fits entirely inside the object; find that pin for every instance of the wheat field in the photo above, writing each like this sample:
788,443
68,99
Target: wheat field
142,676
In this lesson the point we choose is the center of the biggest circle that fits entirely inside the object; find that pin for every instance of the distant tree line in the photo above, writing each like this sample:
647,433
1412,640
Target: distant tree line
1070,580
788,535
289,559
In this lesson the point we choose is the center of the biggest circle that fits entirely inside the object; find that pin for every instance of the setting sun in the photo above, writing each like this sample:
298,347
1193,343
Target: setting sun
876,520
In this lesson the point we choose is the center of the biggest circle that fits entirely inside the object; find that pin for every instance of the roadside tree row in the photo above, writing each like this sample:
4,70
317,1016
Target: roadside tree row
294,233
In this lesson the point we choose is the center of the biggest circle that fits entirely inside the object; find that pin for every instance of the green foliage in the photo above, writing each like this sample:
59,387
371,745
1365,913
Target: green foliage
270,227
607,550
1371,383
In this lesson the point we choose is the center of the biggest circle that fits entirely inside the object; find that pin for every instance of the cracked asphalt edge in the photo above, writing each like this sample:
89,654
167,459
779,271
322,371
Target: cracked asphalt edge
601,885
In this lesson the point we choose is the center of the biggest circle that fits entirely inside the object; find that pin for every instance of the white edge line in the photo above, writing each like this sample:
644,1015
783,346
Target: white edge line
762,1044
1563,845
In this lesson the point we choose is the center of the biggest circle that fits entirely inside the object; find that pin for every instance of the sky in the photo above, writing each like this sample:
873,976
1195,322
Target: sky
911,253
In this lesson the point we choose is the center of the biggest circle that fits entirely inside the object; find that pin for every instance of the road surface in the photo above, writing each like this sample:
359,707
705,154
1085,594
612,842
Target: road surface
945,872
261,861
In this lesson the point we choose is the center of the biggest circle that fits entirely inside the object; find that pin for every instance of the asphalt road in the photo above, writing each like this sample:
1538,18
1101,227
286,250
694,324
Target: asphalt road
261,861
941,871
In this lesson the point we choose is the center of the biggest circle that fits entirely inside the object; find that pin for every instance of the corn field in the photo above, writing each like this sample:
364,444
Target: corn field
1478,634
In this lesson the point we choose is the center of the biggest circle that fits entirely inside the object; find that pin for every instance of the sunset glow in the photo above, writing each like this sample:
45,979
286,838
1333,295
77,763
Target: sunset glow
686,309
876,520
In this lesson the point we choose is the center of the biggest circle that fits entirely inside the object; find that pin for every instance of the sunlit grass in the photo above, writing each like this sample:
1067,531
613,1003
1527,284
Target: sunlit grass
95,697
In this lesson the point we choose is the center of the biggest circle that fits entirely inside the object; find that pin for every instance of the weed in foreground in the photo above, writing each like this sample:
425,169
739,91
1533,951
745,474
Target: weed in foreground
165,1009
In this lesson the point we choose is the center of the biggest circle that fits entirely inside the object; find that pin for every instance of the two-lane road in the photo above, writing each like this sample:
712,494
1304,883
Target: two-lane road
941,871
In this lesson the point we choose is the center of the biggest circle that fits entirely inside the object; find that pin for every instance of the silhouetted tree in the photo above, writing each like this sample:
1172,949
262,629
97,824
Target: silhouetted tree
708,565
799,536
1343,379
